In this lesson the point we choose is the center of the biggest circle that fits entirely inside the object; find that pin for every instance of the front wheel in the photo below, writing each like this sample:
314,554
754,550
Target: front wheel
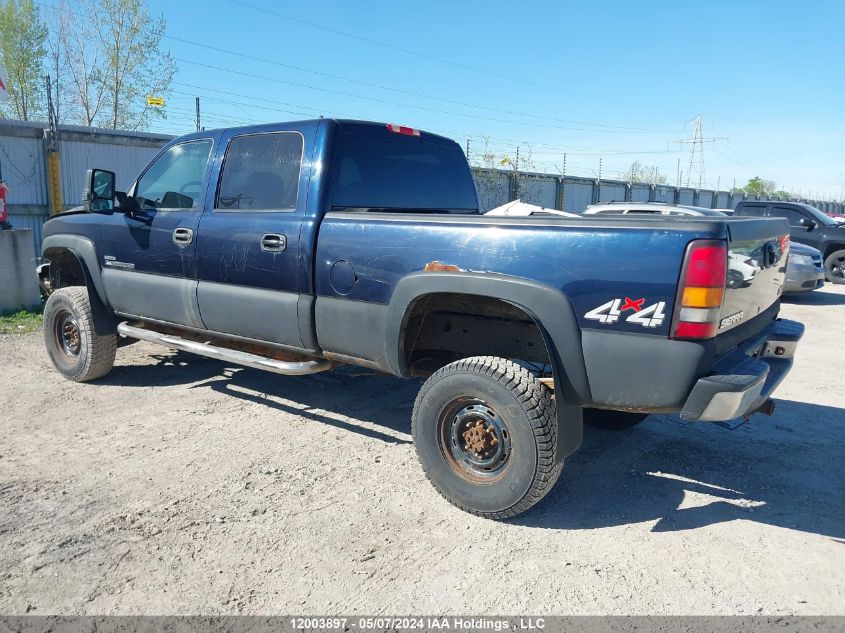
486,435
80,338
834,267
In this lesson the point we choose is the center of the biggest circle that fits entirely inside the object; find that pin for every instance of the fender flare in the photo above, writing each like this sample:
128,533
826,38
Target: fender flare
548,306
85,252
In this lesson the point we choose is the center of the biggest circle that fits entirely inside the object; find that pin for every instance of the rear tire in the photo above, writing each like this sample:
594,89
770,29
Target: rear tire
612,420
486,436
834,267
79,335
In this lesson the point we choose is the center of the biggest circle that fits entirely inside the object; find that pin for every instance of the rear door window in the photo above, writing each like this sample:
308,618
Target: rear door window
403,173
261,173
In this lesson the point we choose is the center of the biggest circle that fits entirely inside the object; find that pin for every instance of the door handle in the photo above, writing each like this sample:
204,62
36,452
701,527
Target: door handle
273,242
183,236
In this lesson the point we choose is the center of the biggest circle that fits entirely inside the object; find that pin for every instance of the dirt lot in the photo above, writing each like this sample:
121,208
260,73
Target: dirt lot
183,485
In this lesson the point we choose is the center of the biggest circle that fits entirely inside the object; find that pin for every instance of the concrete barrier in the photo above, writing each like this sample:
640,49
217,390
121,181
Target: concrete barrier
18,286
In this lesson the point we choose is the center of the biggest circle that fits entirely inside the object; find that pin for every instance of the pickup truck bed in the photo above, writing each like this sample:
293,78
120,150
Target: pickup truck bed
296,246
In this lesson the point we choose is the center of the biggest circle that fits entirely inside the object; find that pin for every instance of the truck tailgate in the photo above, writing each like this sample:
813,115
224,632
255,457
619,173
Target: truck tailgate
757,254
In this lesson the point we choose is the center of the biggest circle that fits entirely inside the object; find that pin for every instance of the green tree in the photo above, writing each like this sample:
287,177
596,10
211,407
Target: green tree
648,174
134,65
758,187
22,40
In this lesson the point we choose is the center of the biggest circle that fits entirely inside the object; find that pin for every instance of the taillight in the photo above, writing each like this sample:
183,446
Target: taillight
401,129
701,291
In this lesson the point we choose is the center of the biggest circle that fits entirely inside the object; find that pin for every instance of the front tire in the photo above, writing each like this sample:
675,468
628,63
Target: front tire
834,267
79,336
486,435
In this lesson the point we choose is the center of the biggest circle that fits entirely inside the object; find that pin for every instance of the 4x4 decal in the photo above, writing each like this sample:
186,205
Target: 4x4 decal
611,312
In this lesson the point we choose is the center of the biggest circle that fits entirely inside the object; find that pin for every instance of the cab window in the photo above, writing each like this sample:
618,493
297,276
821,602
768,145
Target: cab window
174,180
794,217
261,173
753,209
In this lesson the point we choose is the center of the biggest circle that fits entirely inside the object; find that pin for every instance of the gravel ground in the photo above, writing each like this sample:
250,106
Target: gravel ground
183,485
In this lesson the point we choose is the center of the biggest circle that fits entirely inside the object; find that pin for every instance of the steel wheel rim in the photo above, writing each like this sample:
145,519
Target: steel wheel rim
67,335
474,440
837,269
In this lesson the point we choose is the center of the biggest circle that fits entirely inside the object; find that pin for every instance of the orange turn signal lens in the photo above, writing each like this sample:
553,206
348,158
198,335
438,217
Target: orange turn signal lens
702,297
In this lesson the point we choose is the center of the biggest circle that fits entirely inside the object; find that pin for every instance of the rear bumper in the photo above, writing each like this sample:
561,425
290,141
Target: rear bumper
743,380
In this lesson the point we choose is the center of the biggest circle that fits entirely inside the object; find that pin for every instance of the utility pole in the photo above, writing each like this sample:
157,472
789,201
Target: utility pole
198,114
696,155
51,146
678,181
598,183
563,184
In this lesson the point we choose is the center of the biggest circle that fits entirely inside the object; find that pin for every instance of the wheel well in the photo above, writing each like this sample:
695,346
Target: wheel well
66,269
832,248
443,327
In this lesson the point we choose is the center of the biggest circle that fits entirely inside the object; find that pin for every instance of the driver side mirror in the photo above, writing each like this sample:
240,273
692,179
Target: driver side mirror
99,190
808,224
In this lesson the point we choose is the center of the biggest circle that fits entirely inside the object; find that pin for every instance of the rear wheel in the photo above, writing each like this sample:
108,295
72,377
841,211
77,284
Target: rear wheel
834,267
79,336
612,420
486,435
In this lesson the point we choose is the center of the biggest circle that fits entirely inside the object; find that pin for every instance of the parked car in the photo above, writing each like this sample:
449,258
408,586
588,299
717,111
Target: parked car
642,208
293,247
804,269
807,225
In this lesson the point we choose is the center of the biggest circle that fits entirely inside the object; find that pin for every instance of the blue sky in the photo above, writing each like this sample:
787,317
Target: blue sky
610,80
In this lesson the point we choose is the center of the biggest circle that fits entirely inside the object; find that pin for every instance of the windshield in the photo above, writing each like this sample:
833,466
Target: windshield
374,171
820,216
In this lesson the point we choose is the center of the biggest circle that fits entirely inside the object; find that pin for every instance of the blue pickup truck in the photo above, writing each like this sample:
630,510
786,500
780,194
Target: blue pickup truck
295,247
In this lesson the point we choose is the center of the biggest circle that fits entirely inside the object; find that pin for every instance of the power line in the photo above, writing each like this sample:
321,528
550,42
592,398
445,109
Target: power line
419,54
381,86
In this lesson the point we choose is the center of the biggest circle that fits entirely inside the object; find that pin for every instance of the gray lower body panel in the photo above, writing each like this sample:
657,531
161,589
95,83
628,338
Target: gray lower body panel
172,299
258,313
641,372
354,329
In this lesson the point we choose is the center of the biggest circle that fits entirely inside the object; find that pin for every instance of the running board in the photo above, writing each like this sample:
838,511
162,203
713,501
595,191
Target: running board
255,361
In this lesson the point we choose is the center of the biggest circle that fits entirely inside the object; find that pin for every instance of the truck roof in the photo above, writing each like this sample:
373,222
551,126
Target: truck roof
344,124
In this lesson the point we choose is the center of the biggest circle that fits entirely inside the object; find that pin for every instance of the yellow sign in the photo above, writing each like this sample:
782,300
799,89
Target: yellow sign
155,101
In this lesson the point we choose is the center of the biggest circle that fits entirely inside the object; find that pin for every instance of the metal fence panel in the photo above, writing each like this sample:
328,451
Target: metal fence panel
539,191
664,193
577,196
77,157
705,199
722,200
24,169
612,192
640,193
686,196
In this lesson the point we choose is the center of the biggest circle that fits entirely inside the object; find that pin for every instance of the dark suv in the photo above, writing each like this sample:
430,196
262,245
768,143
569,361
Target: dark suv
807,225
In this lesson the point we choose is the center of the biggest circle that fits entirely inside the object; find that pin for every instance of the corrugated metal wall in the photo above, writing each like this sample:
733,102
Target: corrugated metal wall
577,196
23,164
539,191
77,157
640,193
23,160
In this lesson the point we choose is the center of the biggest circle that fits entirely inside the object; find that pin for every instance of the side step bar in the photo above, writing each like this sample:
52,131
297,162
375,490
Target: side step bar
255,361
